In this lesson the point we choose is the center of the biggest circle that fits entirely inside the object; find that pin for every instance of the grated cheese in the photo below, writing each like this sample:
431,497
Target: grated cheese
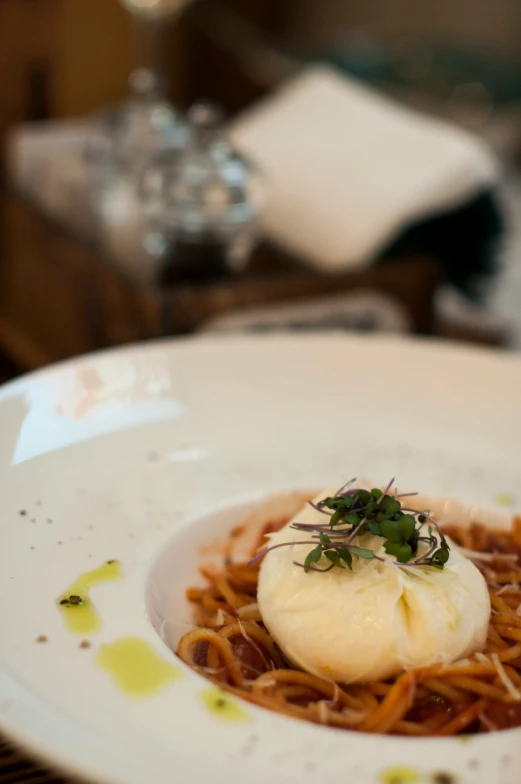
507,683
491,727
322,712
475,555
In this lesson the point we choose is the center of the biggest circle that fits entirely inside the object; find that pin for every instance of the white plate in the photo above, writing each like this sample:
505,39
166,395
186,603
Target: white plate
140,452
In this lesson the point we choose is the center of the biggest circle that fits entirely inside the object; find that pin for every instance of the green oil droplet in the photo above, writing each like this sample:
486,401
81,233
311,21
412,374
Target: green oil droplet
223,706
505,499
465,738
81,617
135,666
400,775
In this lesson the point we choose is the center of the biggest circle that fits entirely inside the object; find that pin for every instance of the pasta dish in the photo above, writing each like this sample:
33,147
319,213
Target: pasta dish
367,614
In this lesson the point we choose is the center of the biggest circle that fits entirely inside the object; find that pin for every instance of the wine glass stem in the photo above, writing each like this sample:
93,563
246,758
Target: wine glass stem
147,45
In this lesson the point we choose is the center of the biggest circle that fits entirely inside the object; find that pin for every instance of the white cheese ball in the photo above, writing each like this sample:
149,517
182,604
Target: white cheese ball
374,621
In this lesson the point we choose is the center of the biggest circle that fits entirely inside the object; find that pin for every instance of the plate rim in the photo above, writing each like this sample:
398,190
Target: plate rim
65,764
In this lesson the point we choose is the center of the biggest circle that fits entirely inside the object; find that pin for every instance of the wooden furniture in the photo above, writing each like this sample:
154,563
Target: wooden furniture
17,767
27,44
59,297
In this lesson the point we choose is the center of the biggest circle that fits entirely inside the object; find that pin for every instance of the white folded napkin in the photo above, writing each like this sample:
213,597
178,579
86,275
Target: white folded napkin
347,169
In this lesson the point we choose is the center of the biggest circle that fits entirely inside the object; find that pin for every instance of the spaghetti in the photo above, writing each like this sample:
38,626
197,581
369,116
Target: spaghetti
232,647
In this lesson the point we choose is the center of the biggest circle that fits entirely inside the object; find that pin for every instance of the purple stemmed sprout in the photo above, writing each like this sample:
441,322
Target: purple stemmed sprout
353,512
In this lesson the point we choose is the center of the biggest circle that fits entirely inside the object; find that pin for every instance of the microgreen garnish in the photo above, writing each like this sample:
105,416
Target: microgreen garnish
355,512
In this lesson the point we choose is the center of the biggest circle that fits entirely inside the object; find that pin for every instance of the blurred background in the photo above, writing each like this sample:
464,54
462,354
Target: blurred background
170,167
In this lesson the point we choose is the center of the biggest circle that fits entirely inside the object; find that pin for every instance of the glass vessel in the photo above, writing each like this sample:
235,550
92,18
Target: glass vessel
203,206
123,138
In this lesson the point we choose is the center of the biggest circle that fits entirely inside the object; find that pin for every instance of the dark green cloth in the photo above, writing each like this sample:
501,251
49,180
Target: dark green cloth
464,240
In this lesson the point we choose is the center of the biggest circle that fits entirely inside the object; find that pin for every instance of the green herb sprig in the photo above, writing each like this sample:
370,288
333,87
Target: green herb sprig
354,512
